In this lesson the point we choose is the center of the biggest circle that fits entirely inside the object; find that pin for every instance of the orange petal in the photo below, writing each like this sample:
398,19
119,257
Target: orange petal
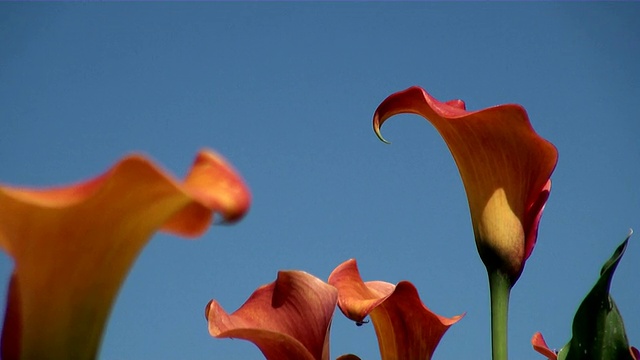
505,167
541,346
406,329
287,319
73,246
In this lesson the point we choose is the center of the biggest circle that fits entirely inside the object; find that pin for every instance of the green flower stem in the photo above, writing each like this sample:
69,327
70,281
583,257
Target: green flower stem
499,287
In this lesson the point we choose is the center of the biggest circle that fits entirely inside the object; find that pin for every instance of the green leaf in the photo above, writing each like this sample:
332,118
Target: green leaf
598,331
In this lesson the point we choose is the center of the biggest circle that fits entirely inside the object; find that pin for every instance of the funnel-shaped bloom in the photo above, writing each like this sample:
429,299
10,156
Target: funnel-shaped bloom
505,167
406,329
73,246
287,319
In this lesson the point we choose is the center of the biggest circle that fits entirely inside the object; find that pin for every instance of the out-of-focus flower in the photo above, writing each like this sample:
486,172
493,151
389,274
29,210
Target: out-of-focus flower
73,246
406,329
505,167
287,319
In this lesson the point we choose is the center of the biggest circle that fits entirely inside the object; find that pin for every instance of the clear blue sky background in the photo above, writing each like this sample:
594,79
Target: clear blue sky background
286,91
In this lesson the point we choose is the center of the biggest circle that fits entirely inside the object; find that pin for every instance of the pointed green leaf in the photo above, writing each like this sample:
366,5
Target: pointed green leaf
562,354
598,331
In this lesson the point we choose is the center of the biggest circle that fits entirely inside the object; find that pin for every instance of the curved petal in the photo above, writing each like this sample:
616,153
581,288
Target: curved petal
541,346
356,298
287,319
73,246
505,167
406,329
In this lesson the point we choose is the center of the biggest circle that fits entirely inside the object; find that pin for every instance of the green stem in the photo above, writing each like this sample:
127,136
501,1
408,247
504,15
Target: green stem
499,287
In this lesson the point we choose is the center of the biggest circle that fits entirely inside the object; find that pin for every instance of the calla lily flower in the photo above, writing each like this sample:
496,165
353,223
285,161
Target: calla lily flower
73,246
406,329
287,319
505,167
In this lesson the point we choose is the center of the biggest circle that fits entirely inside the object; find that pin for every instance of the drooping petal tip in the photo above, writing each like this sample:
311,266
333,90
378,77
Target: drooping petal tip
398,315
218,188
224,187
356,299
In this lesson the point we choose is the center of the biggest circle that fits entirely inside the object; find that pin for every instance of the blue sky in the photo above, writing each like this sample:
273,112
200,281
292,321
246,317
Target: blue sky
286,91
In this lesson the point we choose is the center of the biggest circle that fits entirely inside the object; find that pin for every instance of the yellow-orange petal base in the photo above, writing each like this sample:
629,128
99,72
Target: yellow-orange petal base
73,246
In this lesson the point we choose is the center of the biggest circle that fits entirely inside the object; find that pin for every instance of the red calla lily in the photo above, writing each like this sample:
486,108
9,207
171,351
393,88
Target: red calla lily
406,329
73,246
287,319
504,164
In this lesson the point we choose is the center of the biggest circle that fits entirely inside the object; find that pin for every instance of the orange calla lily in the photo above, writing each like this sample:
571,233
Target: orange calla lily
505,167
73,246
406,329
287,319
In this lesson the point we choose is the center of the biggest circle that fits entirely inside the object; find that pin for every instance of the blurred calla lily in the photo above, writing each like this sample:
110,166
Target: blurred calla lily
504,164
287,319
73,246
406,329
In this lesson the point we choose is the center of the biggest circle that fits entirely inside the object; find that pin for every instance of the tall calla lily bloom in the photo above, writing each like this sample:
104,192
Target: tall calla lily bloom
73,246
505,167
406,329
287,319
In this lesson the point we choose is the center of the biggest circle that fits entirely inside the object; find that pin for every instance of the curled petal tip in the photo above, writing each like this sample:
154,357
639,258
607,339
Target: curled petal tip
226,190
376,129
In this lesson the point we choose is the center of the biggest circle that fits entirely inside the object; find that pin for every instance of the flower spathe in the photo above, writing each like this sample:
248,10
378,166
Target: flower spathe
406,329
73,246
505,168
289,318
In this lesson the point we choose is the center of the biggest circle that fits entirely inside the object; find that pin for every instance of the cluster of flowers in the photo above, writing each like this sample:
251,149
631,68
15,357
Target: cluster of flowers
67,272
